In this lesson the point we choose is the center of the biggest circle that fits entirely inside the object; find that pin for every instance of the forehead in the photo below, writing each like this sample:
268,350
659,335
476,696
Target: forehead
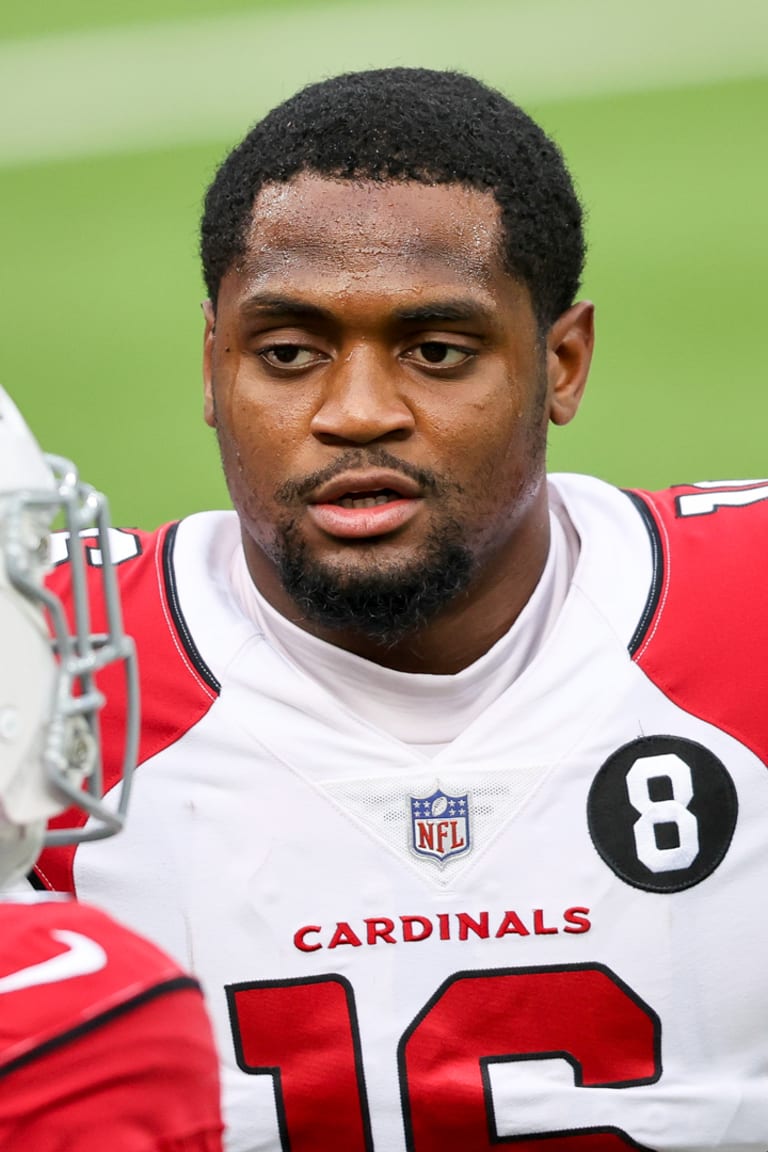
320,227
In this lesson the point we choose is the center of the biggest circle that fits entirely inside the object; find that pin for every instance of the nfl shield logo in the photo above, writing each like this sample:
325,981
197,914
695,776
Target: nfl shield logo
440,825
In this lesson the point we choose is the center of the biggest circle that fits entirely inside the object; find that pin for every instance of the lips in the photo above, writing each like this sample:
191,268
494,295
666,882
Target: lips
356,505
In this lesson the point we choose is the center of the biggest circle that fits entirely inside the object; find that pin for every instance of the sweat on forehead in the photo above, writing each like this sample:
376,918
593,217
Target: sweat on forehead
411,124
316,221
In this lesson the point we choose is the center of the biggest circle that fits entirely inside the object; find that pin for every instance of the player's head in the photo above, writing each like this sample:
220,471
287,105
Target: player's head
392,258
49,744
412,124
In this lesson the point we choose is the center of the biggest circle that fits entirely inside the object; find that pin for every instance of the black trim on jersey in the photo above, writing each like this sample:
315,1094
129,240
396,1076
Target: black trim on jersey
36,882
657,577
176,984
178,616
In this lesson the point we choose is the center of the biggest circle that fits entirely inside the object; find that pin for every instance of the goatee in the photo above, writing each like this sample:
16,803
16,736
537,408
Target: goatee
384,604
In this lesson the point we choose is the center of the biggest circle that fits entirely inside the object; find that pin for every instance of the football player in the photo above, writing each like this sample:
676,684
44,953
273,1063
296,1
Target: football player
452,783
104,1041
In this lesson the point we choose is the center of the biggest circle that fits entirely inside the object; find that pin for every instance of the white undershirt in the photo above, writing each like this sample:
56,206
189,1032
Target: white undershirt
418,708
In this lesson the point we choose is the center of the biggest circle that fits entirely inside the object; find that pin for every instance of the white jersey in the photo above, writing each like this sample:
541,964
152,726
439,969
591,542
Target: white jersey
551,933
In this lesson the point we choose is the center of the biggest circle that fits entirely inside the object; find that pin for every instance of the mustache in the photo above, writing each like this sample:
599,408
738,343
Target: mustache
374,457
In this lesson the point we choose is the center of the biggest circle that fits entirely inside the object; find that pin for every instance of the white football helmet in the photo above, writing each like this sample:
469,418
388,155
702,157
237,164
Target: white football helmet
49,734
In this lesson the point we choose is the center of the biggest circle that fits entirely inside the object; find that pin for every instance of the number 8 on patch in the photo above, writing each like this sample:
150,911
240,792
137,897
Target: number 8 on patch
661,813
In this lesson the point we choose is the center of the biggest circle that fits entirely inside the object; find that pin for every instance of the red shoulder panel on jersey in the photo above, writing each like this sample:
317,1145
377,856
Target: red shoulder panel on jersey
143,1078
64,964
177,689
704,640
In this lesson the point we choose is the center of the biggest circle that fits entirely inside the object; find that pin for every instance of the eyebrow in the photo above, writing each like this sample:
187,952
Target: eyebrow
454,310
268,305
445,311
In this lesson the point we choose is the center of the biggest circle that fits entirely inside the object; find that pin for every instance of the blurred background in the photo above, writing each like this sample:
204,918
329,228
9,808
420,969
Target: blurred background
115,116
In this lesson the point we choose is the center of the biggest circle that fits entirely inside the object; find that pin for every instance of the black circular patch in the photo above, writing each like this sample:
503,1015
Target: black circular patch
661,813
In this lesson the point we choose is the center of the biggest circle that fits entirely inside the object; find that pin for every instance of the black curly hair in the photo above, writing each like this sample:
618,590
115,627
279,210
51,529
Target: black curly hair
411,124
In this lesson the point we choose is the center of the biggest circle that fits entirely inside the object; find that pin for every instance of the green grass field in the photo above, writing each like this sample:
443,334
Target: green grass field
99,279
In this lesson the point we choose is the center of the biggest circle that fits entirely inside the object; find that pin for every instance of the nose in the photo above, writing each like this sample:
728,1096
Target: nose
361,400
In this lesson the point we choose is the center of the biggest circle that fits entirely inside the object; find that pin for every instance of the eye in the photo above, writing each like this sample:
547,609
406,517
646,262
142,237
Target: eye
439,354
290,356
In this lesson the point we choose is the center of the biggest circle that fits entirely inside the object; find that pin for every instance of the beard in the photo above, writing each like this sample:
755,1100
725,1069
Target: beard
384,604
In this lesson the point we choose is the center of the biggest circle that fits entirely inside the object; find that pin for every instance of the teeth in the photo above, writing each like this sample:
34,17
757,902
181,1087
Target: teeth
364,501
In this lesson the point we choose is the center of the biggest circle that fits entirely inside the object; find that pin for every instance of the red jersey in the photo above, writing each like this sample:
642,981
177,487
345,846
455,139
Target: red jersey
105,1045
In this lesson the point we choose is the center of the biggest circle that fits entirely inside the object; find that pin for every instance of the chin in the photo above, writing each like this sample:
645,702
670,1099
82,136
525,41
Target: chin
384,597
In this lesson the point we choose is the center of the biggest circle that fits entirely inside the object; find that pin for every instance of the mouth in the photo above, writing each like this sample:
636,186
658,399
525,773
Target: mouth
367,499
359,506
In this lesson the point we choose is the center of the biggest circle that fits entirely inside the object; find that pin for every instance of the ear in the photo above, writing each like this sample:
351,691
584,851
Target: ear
569,354
208,341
